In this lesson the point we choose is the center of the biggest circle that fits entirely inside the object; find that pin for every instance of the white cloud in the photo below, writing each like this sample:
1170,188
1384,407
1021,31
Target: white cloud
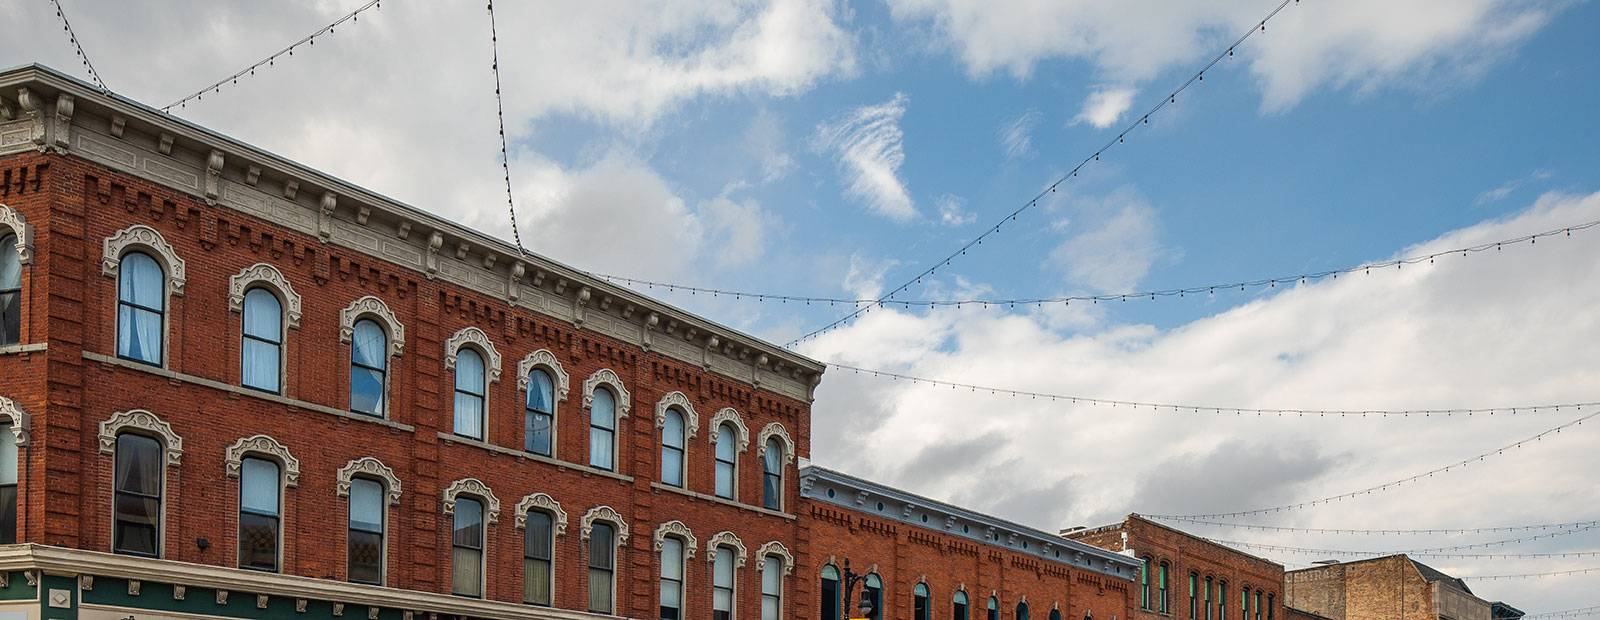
765,140
737,232
1016,135
1500,193
1105,106
868,143
953,210
1117,245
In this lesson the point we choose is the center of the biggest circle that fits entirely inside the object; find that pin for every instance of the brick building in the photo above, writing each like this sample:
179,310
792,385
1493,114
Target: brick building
1393,587
238,387
1188,577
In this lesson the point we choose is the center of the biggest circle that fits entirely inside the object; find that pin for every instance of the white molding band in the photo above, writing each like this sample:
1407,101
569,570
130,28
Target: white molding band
543,358
541,501
145,422
21,424
678,529
605,513
476,337
18,224
472,486
678,399
727,539
775,549
608,378
368,466
774,429
728,414
370,306
262,444
145,237
263,273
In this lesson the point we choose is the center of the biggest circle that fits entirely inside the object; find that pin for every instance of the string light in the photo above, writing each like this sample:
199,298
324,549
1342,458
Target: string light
1302,278
1429,551
1322,530
1170,98
1385,486
1497,556
500,115
270,60
1576,571
1581,611
78,47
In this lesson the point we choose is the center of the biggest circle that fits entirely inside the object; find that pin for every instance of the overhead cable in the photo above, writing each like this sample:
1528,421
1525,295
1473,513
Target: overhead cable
1361,531
500,114
1581,611
1426,554
1418,551
1576,571
78,48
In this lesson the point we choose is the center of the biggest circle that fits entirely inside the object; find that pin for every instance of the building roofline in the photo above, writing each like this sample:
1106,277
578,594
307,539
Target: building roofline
1142,519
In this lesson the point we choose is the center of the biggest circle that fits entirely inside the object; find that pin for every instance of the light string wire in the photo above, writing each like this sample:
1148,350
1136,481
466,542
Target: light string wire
272,59
78,47
1170,98
1324,530
1419,551
1153,294
1576,571
955,385
1425,554
1385,486
500,115
1581,611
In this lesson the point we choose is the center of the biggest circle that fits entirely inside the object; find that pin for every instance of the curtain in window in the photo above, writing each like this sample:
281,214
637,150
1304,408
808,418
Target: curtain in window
772,588
671,579
10,291
366,531
536,547
141,298
601,564
672,449
136,524
466,558
772,476
602,430
369,357
469,394
263,340
540,413
725,455
8,486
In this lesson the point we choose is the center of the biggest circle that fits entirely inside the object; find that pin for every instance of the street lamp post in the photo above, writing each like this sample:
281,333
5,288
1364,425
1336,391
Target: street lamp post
850,579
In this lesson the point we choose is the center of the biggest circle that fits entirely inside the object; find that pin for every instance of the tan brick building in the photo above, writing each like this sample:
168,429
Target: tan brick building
1393,587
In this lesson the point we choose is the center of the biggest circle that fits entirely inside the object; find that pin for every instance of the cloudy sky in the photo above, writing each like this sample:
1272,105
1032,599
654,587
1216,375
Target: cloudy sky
809,147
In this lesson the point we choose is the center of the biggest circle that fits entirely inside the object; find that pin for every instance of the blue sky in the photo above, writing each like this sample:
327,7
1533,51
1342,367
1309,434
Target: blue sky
836,149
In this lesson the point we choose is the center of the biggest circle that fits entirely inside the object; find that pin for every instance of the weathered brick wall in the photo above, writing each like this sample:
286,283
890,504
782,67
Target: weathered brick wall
1185,554
1388,588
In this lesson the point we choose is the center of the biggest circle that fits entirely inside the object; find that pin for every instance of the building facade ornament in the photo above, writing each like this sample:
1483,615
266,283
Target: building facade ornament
541,501
475,337
368,466
33,107
604,513
373,307
730,416
727,539
264,274
678,529
144,237
544,359
472,486
10,218
21,425
775,549
606,377
262,444
145,422
677,399
771,430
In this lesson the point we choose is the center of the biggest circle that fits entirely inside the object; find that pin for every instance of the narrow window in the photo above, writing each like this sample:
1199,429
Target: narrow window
1194,590
1022,611
8,486
873,590
1055,614
772,476
722,584
994,608
671,578
603,430
919,602
1271,607
141,309
672,449
830,592
365,548
369,363
259,521
1209,586
466,553
772,589
726,450
263,341
469,394
540,413
136,524
537,545
1144,584
958,606
1244,604
602,563
1258,605
1222,600
1161,586
10,291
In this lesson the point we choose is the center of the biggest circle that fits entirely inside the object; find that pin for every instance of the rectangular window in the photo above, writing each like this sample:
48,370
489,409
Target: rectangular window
830,593
602,566
1271,607
365,545
1162,581
258,515
10,291
772,590
1222,601
602,430
722,585
1258,605
466,553
1193,593
671,579
136,519
1208,590
536,557
8,485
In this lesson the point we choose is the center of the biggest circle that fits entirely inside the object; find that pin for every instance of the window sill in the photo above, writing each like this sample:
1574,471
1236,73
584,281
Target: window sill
717,500
242,391
467,441
17,349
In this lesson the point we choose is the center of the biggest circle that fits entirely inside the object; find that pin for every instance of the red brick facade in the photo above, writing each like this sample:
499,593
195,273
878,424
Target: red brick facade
1183,557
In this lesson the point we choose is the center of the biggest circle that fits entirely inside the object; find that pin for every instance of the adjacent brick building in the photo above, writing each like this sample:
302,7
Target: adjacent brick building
1393,587
1190,578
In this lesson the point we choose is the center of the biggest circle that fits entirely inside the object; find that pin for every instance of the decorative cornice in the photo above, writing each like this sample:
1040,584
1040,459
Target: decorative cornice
141,421
541,501
145,237
368,466
262,444
370,306
543,358
606,377
263,273
678,529
476,337
727,539
604,513
21,425
729,415
775,549
679,400
774,429
472,486
19,225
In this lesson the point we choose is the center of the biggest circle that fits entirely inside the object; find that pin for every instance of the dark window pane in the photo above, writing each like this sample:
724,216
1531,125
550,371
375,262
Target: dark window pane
468,524
8,514
537,541
601,547
536,432
136,526
366,557
600,590
258,541
366,391
830,599
138,465
536,581
771,491
10,318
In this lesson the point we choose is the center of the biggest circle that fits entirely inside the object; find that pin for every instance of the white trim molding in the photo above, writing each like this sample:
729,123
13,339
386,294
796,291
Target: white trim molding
541,501
472,486
262,273
262,444
728,414
21,424
775,549
606,377
18,224
373,307
677,528
475,337
774,429
544,359
141,236
147,423
368,466
727,539
679,400
605,513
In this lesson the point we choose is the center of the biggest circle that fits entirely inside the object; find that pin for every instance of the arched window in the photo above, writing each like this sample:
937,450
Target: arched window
8,485
538,430
603,430
1244,603
1194,593
466,548
772,588
1161,588
994,608
772,476
136,507
263,341
873,590
1144,584
365,544
727,461
830,592
10,291
1055,614
602,564
141,309
672,453
919,602
671,578
958,606
1022,610
369,367
260,514
722,603
1222,600
1272,607
470,389
538,546
1209,586
1258,605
